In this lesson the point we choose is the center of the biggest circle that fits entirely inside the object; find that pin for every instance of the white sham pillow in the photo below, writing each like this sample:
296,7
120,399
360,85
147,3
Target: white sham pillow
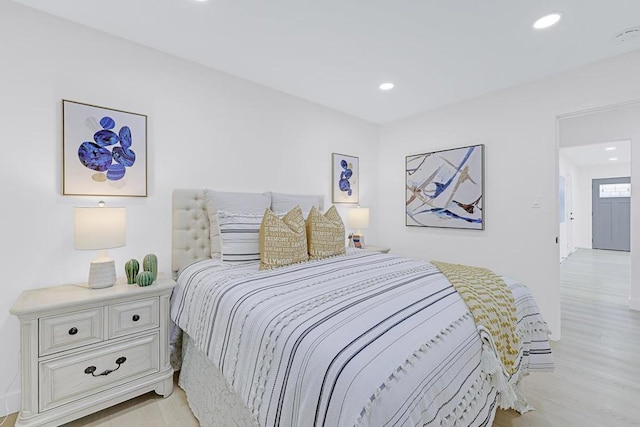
250,203
282,202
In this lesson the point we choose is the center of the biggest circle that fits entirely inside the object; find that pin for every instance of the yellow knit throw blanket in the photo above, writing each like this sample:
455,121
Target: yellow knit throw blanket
492,305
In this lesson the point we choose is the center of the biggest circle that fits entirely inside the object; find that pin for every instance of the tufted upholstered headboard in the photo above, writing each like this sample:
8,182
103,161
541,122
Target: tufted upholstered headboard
190,224
190,228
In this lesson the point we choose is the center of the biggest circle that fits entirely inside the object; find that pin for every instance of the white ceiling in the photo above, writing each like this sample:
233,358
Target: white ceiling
337,52
583,137
596,154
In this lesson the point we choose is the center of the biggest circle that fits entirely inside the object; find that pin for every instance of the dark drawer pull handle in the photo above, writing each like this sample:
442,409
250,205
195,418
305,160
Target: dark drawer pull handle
136,317
92,369
73,331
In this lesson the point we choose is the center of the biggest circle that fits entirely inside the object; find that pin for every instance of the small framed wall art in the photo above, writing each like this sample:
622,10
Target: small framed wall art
344,180
104,151
446,188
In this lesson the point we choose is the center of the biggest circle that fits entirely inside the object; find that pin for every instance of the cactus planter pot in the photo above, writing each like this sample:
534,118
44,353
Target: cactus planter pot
131,268
145,278
150,264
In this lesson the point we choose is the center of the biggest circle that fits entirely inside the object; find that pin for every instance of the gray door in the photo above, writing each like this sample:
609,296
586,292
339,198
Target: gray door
611,224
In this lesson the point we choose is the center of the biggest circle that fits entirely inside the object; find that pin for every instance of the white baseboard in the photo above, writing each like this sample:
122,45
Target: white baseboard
12,402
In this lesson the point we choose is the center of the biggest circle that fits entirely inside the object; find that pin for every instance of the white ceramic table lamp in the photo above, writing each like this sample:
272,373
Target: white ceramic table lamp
100,228
358,219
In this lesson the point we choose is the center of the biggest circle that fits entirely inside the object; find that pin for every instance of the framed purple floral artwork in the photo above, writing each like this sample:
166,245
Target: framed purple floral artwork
344,181
104,151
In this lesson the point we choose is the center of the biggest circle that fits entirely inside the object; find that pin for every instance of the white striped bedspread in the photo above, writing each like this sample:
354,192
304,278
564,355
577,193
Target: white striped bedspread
360,339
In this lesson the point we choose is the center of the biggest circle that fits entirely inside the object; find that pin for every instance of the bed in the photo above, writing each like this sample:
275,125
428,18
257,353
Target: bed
360,339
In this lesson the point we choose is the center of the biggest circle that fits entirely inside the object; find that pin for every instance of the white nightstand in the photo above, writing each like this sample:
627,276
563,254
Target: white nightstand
83,350
381,249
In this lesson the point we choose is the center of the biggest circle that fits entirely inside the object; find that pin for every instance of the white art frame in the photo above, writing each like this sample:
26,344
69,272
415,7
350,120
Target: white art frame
345,184
104,151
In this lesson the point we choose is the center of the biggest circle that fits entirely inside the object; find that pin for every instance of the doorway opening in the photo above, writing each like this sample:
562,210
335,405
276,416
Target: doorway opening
595,176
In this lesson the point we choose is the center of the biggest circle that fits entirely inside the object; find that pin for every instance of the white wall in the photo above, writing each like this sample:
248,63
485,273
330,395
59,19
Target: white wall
614,123
569,227
206,130
519,128
584,207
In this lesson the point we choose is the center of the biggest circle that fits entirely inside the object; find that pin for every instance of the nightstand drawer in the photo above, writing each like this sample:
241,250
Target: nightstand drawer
70,330
69,378
133,316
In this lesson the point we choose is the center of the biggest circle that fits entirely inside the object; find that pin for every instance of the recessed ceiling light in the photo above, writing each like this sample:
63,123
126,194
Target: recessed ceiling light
610,148
386,86
547,21
613,159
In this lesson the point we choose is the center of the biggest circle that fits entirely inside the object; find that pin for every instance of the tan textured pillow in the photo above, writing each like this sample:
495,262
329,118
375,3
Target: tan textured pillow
325,233
282,241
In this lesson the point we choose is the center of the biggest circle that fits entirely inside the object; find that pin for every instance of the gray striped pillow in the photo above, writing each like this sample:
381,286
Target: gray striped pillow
239,236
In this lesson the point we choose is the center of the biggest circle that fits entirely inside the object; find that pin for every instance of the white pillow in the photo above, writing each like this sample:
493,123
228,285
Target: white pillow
281,202
239,236
254,203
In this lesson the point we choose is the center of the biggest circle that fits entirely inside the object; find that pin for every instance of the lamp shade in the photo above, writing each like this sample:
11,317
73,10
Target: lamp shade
358,218
100,227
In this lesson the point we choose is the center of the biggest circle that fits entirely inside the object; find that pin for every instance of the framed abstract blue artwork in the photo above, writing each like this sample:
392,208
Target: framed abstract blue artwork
344,181
104,151
446,188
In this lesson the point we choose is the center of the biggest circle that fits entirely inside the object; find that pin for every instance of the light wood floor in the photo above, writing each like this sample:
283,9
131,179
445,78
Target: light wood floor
597,377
